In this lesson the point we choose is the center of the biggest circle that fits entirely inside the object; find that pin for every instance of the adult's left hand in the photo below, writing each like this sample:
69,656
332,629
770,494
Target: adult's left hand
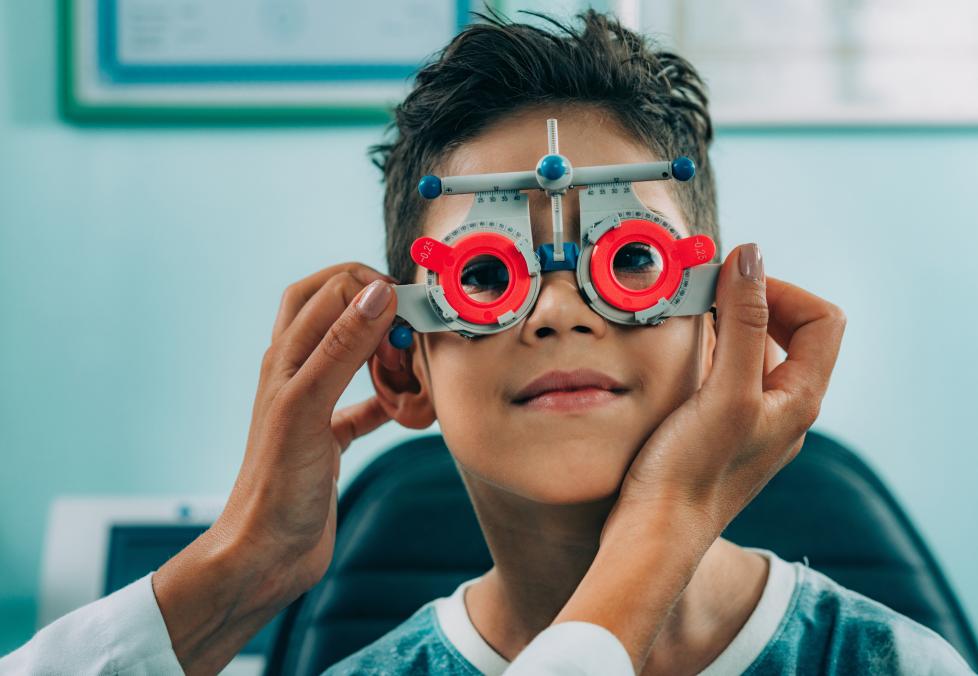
714,453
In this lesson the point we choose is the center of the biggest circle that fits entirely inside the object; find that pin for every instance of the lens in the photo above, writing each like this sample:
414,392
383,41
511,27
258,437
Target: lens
484,278
637,266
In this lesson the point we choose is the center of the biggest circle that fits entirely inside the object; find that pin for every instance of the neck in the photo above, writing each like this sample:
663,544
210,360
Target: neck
541,552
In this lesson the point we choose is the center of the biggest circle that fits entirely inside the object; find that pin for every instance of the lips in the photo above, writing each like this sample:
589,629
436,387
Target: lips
568,381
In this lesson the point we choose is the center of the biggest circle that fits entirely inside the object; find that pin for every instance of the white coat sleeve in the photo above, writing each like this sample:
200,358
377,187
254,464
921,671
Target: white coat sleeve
123,633
573,649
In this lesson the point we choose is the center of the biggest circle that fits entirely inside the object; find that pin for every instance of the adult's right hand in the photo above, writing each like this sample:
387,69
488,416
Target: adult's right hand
274,539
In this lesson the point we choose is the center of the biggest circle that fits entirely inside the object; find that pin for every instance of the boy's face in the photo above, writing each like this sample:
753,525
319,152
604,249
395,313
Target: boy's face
558,448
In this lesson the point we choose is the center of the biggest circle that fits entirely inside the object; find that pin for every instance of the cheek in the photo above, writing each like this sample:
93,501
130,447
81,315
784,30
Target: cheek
465,386
671,363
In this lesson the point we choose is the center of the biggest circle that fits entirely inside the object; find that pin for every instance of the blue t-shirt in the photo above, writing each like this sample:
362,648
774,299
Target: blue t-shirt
804,623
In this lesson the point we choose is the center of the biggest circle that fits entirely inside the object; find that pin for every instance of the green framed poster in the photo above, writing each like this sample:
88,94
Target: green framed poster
227,61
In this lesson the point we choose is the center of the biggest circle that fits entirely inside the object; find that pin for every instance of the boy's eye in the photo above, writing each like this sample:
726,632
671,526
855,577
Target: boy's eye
484,278
637,266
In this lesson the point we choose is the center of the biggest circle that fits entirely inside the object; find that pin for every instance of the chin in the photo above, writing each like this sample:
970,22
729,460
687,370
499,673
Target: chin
571,473
553,494
552,465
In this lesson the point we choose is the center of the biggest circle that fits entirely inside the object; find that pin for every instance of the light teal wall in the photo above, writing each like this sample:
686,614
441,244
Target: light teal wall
140,272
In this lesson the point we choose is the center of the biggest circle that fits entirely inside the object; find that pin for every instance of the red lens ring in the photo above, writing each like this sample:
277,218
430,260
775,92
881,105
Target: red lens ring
501,247
603,258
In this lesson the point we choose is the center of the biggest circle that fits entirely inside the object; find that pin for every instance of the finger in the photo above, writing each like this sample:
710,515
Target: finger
351,339
810,330
298,293
357,420
304,334
742,315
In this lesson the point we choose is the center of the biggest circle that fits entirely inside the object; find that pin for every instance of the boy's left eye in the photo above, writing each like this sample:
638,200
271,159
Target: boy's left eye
637,265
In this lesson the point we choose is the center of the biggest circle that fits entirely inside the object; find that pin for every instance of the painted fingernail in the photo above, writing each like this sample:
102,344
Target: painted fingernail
751,263
374,299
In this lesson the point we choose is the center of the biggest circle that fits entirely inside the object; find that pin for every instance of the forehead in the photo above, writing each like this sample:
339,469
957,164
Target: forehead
587,136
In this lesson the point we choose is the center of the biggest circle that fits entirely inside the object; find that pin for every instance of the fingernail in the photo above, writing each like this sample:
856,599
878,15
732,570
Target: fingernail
374,299
751,263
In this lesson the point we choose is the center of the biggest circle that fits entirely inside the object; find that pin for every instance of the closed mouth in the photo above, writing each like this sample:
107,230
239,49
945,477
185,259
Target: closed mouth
581,380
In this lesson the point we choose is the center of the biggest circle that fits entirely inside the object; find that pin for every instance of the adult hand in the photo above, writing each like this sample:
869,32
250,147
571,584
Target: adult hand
714,453
274,539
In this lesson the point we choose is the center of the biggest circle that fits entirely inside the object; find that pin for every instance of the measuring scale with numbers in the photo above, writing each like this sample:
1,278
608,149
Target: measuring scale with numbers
483,277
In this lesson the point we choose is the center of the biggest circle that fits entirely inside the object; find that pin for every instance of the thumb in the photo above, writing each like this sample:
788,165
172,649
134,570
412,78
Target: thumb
742,316
348,343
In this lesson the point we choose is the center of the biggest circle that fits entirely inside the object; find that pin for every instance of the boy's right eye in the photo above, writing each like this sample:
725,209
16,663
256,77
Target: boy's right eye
484,278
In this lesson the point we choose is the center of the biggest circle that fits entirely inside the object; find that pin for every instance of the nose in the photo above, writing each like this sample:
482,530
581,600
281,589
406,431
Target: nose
560,310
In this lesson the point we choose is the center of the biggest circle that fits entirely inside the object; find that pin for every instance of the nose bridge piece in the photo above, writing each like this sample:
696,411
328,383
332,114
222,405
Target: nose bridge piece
555,308
548,263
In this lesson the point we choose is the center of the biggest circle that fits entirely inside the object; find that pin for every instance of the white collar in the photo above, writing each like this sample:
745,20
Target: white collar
461,633
756,633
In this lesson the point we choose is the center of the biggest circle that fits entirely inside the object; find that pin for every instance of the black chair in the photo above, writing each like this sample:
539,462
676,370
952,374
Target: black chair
407,534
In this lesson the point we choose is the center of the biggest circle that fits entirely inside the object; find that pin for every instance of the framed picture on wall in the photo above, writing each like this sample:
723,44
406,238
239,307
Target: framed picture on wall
814,63
247,60
817,63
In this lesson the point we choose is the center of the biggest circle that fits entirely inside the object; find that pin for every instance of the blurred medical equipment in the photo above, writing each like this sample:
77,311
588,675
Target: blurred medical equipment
96,545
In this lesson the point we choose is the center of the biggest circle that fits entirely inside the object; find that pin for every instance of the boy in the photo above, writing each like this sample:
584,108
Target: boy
544,420
603,461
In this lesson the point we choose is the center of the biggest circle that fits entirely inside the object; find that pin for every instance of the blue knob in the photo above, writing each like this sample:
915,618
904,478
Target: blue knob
401,337
552,167
429,187
683,168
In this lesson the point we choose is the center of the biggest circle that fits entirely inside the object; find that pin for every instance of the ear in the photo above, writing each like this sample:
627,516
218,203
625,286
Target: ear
402,388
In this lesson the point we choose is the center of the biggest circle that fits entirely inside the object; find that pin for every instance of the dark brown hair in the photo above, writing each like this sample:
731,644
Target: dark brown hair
497,67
